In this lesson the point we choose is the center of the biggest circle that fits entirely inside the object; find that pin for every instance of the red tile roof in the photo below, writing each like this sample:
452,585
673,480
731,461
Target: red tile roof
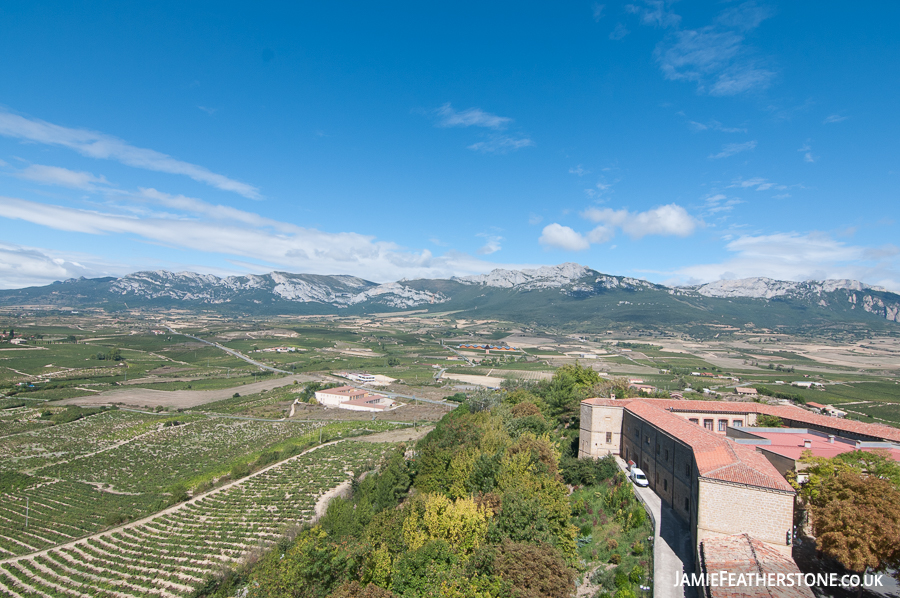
875,431
742,554
717,457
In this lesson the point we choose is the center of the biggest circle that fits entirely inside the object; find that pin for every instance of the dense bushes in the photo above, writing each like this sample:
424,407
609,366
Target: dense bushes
480,509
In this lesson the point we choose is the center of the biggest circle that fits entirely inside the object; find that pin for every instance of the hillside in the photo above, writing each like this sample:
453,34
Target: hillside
567,296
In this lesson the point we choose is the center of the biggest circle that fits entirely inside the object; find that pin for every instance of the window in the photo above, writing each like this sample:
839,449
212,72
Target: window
687,469
667,454
708,424
637,433
738,423
648,441
687,504
657,478
609,438
723,423
657,448
665,485
694,420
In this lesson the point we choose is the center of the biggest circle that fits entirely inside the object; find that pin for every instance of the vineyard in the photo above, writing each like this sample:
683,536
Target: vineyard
170,553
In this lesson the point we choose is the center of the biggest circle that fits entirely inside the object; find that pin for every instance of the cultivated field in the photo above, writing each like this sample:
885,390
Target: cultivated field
171,552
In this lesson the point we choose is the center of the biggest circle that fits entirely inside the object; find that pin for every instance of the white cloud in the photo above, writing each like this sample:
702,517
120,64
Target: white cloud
715,125
807,154
796,256
715,57
619,32
562,237
471,117
578,170
668,220
655,12
534,219
102,146
28,266
833,118
730,149
720,203
491,245
500,144
55,175
598,12
212,229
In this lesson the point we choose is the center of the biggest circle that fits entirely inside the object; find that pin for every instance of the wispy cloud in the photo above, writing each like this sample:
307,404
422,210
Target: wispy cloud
535,219
719,203
834,118
731,149
716,56
491,245
619,32
715,125
597,11
500,144
471,117
808,156
196,225
29,266
655,12
578,170
63,177
103,146
800,256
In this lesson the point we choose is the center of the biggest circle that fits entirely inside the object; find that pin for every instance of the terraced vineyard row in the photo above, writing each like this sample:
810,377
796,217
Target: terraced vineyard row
169,554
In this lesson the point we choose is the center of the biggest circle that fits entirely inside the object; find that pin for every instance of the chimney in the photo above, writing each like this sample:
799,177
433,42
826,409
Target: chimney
831,438
807,443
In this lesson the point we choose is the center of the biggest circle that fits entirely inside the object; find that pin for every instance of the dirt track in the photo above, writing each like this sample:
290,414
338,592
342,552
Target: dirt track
145,397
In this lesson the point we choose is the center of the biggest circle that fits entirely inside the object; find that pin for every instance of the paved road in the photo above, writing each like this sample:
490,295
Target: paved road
229,351
672,549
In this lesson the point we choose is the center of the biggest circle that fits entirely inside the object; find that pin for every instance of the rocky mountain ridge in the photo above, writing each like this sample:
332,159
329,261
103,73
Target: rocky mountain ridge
552,294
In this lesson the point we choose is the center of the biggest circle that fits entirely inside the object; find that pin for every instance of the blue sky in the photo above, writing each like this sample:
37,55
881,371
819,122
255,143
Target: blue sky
677,142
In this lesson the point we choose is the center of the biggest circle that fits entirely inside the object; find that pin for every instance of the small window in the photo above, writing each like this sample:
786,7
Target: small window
694,420
609,438
657,448
687,469
637,433
687,504
657,477
648,441
667,454
723,423
738,423
708,424
665,485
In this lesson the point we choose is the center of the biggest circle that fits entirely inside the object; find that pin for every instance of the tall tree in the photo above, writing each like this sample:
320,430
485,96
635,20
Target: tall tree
856,519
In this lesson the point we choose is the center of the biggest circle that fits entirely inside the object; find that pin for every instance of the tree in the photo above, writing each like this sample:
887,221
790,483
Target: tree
768,421
856,519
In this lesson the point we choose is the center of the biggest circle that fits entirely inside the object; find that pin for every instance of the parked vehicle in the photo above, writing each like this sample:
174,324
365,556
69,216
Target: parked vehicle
638,477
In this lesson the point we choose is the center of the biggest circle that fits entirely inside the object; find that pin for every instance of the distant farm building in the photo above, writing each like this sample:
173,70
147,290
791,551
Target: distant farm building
487,348
354,399
745,390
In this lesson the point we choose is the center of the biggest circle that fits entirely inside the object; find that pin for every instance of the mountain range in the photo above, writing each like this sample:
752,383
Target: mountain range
563,295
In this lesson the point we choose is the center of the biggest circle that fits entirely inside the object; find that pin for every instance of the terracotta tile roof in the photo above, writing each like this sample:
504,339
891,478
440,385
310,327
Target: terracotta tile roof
874,431
742,554
717,457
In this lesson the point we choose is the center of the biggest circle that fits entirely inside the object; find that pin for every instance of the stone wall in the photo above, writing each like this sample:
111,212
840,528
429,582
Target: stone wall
601,431
728,508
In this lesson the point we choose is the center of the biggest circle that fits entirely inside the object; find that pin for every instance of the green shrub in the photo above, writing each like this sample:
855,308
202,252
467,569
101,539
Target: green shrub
615,559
